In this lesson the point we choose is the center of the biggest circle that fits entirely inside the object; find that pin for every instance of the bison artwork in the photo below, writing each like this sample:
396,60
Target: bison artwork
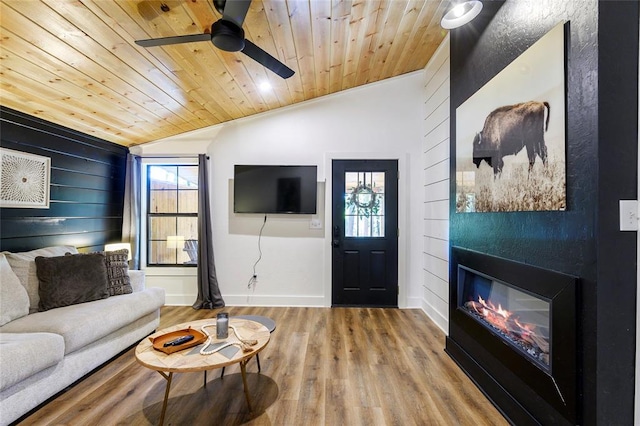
510,128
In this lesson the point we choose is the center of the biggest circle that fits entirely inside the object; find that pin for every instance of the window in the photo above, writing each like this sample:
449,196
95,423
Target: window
172,215
364,204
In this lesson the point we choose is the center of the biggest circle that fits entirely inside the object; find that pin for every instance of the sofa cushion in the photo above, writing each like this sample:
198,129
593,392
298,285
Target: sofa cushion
68,280
83,324
24,266
25,354
118,281
137,278
14,300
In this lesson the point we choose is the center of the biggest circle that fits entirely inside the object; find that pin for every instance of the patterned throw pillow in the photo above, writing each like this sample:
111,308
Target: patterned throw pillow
118,272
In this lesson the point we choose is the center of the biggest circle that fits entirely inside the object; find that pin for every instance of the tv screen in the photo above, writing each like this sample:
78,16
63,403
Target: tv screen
275,189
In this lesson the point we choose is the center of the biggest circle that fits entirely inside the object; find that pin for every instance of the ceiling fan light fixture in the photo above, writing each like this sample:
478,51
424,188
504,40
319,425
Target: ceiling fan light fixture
460,13
265,86
227,36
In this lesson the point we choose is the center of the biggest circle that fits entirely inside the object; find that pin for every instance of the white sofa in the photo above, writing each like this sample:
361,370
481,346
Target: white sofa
42,353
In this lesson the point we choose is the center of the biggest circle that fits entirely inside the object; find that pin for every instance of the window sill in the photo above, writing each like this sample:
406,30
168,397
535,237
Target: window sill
171,271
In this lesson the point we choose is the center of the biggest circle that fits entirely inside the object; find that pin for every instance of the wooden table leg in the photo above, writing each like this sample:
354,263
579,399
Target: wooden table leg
166,394
243,369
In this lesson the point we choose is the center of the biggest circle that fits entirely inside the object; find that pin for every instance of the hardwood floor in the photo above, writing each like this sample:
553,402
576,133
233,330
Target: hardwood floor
323,366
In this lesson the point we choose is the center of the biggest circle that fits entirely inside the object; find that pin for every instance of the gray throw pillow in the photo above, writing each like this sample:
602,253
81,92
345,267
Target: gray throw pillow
14,300
68,280
118,272
23,265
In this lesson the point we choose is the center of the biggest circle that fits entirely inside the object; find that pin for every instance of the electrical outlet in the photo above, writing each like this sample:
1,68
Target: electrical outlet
315,224
628,215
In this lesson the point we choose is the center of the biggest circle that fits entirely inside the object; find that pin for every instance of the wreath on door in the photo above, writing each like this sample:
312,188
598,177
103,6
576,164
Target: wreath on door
365,200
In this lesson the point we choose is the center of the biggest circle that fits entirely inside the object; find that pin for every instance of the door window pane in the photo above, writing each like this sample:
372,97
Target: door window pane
364,204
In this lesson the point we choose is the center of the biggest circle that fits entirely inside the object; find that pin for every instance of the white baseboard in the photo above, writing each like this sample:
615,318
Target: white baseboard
250,300
254,300
266,300
435,316
299,301
180,299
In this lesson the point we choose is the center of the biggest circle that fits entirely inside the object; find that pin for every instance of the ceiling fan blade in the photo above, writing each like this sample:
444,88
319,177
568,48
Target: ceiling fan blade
163,41
259,55
236,10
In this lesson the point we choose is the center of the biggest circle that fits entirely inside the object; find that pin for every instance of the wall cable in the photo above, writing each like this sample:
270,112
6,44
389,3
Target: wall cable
251,285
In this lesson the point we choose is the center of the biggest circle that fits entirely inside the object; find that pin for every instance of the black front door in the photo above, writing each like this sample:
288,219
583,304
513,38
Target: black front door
365,233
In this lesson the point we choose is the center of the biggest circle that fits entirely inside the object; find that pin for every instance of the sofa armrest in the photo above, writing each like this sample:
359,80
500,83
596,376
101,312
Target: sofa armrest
137,280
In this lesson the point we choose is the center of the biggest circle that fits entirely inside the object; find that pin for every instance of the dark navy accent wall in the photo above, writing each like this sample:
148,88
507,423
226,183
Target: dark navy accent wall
617,180
602,157
87,187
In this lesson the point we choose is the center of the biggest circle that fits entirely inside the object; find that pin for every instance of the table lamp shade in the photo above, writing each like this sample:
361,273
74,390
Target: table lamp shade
175,241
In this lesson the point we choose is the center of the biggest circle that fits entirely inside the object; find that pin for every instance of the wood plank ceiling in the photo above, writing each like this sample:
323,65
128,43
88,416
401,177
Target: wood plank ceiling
75,63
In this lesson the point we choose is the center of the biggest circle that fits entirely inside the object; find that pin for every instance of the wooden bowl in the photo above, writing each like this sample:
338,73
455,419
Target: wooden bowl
159,341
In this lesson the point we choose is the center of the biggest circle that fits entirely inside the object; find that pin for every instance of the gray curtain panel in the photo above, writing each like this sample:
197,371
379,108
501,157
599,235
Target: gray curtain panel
131,211
209,296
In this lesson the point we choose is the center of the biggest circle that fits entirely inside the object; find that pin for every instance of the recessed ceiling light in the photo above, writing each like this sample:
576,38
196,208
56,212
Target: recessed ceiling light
461,13
264,86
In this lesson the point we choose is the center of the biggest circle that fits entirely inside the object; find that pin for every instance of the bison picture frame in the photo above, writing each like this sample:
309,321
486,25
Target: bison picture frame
510,135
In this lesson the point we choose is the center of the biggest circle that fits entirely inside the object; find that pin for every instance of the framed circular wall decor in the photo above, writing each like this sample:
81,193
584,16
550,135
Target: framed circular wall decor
24,180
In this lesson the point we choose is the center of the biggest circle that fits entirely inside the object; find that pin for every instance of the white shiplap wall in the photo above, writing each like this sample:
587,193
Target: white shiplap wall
435,155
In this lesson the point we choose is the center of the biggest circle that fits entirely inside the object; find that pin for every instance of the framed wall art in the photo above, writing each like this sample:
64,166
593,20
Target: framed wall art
510,135
24,180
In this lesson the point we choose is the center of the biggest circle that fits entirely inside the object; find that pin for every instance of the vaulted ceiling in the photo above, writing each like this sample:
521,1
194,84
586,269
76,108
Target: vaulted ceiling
75,63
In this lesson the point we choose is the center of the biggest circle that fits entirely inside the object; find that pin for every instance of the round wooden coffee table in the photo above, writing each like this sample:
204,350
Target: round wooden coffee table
190,359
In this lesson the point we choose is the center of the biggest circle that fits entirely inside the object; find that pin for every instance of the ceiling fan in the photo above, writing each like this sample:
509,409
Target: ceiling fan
227,34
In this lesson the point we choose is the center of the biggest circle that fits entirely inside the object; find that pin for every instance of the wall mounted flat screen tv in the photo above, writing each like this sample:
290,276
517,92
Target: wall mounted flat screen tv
275,189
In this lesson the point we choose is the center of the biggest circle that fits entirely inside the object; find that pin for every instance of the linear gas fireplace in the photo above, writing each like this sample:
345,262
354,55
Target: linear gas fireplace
513,330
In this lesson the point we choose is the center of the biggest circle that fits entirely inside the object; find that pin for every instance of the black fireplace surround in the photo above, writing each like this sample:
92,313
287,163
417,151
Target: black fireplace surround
525,390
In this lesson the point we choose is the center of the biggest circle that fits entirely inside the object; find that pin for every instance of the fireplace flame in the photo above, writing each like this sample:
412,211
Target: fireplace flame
490,308
505,321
